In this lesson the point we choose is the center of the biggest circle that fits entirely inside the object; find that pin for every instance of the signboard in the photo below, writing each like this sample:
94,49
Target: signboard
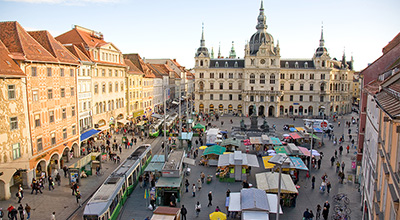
324,124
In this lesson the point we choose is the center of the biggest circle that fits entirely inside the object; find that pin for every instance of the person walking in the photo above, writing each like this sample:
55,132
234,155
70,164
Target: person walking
58,179
19,196
12,213
340,150
336,157
51,183
306,215
319,163
202,176
197,207
337,166
194,190
187,185
313,182
209,199
332,161
28,211
1,214
183,212
65,169
21,212
53,216
311,215
74,188
343,165
199,184
78,197
318,214
325,213
328,186
348,149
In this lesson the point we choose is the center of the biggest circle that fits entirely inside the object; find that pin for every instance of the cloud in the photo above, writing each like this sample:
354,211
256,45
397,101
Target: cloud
64,2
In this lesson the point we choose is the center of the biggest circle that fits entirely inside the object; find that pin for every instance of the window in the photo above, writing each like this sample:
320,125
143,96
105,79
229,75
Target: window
287,65
311,87
211,96
49,94
230,75
73,110
96,89
37,120
301,75
64,133
211,85
230,96
201,97
282,86
240,97
282,76
11,92
110,73
240,75
230,86
235,64
71,72
291,98
311,75
35,95
110,87
16,151
33,71
291,87
252,79
261,98
39,144
51,116
301,98
14,123
240,86
211,75
103,89
221,97
62,72
296,65
306,65
116,73
262,79
310,98
221,75
53,138
49,71
122,86
64,113
321,98
96,72
301,87
201,75
322,76
62,92
103,72
272,98
221,86
216,64
226,64
73,130
251,98
291,76
116,87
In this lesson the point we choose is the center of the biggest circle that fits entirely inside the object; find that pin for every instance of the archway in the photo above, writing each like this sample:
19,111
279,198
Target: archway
41,168
75,151
53,163
64,157
310,110
281,110
291,110
239,107
211,108
337,109
271,111
331,109
261,110
251,110
120,116
221,108
3,190
301,110
201,108
101,123
230,108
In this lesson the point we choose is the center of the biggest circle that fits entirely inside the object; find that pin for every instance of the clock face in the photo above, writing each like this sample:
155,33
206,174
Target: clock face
262,61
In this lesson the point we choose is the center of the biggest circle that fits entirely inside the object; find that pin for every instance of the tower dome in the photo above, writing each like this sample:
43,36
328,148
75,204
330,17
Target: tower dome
202,49
261,36
321,50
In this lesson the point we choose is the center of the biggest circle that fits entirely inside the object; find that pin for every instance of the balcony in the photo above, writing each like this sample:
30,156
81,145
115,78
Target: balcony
84,95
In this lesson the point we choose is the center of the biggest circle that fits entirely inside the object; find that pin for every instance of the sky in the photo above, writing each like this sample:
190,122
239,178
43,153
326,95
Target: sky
172,28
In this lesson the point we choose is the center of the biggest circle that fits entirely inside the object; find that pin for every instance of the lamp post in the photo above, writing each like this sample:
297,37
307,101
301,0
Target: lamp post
278,159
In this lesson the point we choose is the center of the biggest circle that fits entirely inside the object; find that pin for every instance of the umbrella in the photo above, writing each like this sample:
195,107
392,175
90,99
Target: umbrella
217,216
286,135
202,147
271,154
315,153
270,151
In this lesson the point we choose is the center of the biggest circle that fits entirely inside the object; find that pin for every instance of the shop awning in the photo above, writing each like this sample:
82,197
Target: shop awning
123,121
294,135
265,139
280,149
268,165
138,113
275,141
315,137
300,129
255,215
305,151
255,140
254,199
215,149
174,182
88,134
186,136
292,129
272,201
103,128
317,130
298,163
175,103
231,142
157,116
238,158
269,182
199,126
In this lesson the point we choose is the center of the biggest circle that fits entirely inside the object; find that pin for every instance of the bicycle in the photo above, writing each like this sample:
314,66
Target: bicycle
342,209
341,197
340,216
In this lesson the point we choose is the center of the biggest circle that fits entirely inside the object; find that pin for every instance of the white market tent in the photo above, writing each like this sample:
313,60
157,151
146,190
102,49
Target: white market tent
268,182
238,158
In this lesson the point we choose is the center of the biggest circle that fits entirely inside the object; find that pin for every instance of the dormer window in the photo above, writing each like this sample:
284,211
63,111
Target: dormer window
236,64
226,64
201,63
216,64
296,65
287,65
306,65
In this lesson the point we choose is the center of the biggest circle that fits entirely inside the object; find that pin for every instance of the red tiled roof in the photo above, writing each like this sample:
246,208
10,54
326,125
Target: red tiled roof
78,53
21,45
389,100
7,66
54,47
132,69
140,64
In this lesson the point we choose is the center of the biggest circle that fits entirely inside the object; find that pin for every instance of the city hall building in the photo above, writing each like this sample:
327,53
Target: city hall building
273,86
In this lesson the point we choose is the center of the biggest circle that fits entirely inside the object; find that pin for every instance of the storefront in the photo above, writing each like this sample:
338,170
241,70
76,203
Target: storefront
211,154
165,187
84,167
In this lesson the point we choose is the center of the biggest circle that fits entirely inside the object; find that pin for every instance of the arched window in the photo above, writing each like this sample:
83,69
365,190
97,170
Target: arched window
272,79
201,86
226,64
236,64
322,87
104,106
110,87
216,64
287,65
100,108
296,65
262,78
97,108
112,105
201,63
252,78
306,65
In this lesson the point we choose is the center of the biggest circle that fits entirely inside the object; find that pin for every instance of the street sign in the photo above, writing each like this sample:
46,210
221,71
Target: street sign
324,124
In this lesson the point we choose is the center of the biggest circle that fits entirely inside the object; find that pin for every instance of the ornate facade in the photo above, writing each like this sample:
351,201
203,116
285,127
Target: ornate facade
277,87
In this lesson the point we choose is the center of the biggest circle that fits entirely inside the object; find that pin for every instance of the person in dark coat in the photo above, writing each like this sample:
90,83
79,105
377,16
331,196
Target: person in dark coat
21,212
325,213
183,212
209,199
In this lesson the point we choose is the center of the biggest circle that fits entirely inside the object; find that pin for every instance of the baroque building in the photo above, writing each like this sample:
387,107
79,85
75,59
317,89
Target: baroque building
273,85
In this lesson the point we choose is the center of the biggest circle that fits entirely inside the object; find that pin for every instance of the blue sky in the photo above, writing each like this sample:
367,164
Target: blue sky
172,29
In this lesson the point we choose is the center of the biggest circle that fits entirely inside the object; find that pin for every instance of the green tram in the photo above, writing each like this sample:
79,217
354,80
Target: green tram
171,122
111,196
155,128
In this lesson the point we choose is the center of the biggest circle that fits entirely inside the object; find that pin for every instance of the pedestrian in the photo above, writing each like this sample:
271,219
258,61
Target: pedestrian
153,201
65,169
51,183
194,190
328,186
28,211
199,184
12,213
172,200
306,215
141,181
197,207
74,188
21,212
332,161
313,182
217,209
336,154
78,197
311,215
53,216
318,214
343,165
19,196
348,149
319,163
58,179
183,212
228,192
202,176
1,214
325,213
337,166
340,150
327,205
209,199
187,185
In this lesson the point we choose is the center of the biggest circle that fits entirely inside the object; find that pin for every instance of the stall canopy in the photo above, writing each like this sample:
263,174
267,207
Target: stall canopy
315,137
267,164
265,139
294,135
280,149
253,199
157,116
318,130
215,149
275,141
88,134
305,151
199,126
156,163
173,182
298,163
269,182
292,129
301,129
255,140
234,202
186,136
238,158
272,200
231,142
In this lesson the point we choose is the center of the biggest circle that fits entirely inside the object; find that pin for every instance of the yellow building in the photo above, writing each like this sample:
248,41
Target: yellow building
134,79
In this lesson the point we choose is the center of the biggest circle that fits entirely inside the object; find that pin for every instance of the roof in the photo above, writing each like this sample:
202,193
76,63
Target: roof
77,52
389,99
140,64
238,158
132,69
7,66
169,182
215,149
227,63
231,141
254,199
54,47
301,64
268,181
166,210
21,45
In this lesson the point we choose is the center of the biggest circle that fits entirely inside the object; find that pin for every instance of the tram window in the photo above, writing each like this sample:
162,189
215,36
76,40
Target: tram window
134,175
123,188
130,180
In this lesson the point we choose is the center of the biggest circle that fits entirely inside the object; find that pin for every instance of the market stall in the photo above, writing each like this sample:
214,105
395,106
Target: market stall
166,213
199,128
165,187
275,141
211,154
235,166
231,144
156,164
83,167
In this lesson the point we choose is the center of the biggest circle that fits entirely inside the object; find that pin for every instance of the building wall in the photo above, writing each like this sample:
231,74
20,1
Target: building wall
16,158
85,103
136,89
158,94
148,95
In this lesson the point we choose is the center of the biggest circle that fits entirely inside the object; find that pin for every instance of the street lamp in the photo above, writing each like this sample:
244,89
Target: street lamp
278,160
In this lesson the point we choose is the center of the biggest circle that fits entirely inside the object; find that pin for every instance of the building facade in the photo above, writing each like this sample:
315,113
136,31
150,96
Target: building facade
265,84
15,142
108,77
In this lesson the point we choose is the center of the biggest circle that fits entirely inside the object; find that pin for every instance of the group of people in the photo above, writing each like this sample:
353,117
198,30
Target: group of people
14,211
309,215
